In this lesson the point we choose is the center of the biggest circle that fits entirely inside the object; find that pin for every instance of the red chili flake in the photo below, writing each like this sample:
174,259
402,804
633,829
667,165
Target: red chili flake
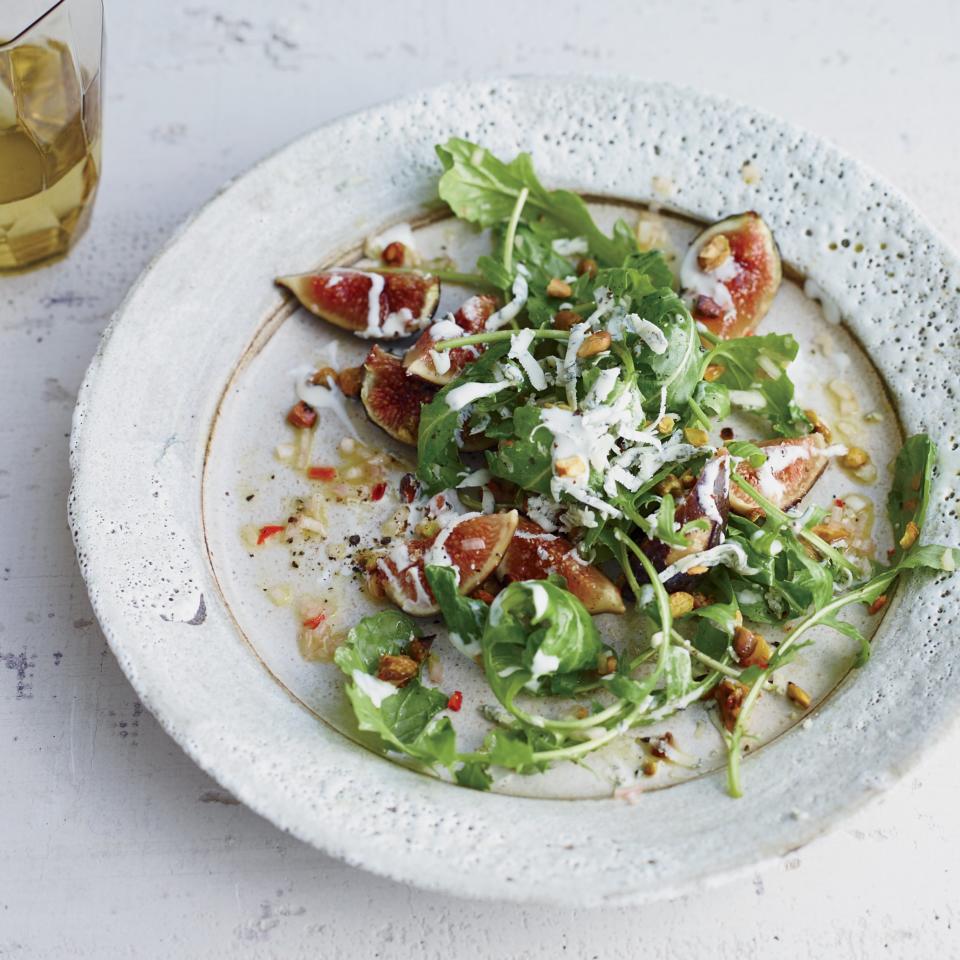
314,622
322,473
270,530
456,701
378,491
878,604
839,503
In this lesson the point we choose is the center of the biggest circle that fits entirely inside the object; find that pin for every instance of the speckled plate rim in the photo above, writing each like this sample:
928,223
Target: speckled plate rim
135,501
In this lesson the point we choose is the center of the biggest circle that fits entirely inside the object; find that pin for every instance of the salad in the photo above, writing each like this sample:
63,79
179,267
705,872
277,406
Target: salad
571,459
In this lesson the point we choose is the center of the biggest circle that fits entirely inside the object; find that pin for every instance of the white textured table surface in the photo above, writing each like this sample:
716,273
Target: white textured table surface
113,844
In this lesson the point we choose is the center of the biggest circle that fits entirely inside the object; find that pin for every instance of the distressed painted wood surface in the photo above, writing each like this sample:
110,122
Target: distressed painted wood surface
113,843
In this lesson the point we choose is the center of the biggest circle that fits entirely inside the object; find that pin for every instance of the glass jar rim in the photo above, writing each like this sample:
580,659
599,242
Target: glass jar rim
37,21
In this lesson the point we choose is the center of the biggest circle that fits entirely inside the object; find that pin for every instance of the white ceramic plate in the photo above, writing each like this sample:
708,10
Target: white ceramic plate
182,407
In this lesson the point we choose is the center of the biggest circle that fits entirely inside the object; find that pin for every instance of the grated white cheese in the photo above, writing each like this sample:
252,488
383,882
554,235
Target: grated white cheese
509,311
463,396
520,351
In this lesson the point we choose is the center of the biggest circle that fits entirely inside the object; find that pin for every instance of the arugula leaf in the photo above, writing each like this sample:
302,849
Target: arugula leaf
746,363
526,458
677,369
910,491
750,452
408,712
556,633
483,190
388,631
512,749
465,618
474,775
438,457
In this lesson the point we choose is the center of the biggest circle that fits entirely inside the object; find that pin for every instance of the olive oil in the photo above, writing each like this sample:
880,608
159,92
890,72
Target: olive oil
49,151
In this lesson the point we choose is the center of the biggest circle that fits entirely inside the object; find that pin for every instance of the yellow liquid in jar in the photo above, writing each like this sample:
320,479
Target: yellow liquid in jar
49,152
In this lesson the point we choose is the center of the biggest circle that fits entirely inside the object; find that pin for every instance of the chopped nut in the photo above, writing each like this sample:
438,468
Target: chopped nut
707,308
398,669
798,695
696,436
831,532
818,425
350,380
302,416
323,376
681,603
714,253
697,570
714,372
688,480
751,648
606,663
910,534
669,484
574,466
419,648
854,458
394,254
581,713
559,288
702,600
598,342
666,425
566,319
729,695
588,267
877,604
649,767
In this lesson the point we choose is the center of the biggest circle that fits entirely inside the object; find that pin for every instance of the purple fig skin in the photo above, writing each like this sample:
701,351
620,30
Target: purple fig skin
709,495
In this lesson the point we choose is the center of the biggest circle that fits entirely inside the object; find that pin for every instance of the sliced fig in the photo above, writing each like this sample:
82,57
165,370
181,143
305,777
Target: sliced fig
533,553
731,274
391,398
792,468
707,499
474,546
382,305
470,318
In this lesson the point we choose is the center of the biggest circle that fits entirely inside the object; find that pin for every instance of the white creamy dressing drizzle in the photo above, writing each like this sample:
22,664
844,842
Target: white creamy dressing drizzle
520,351
509,312
706,487
322,398
709,284
728,554
541,604
377,690
445,329
543,665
